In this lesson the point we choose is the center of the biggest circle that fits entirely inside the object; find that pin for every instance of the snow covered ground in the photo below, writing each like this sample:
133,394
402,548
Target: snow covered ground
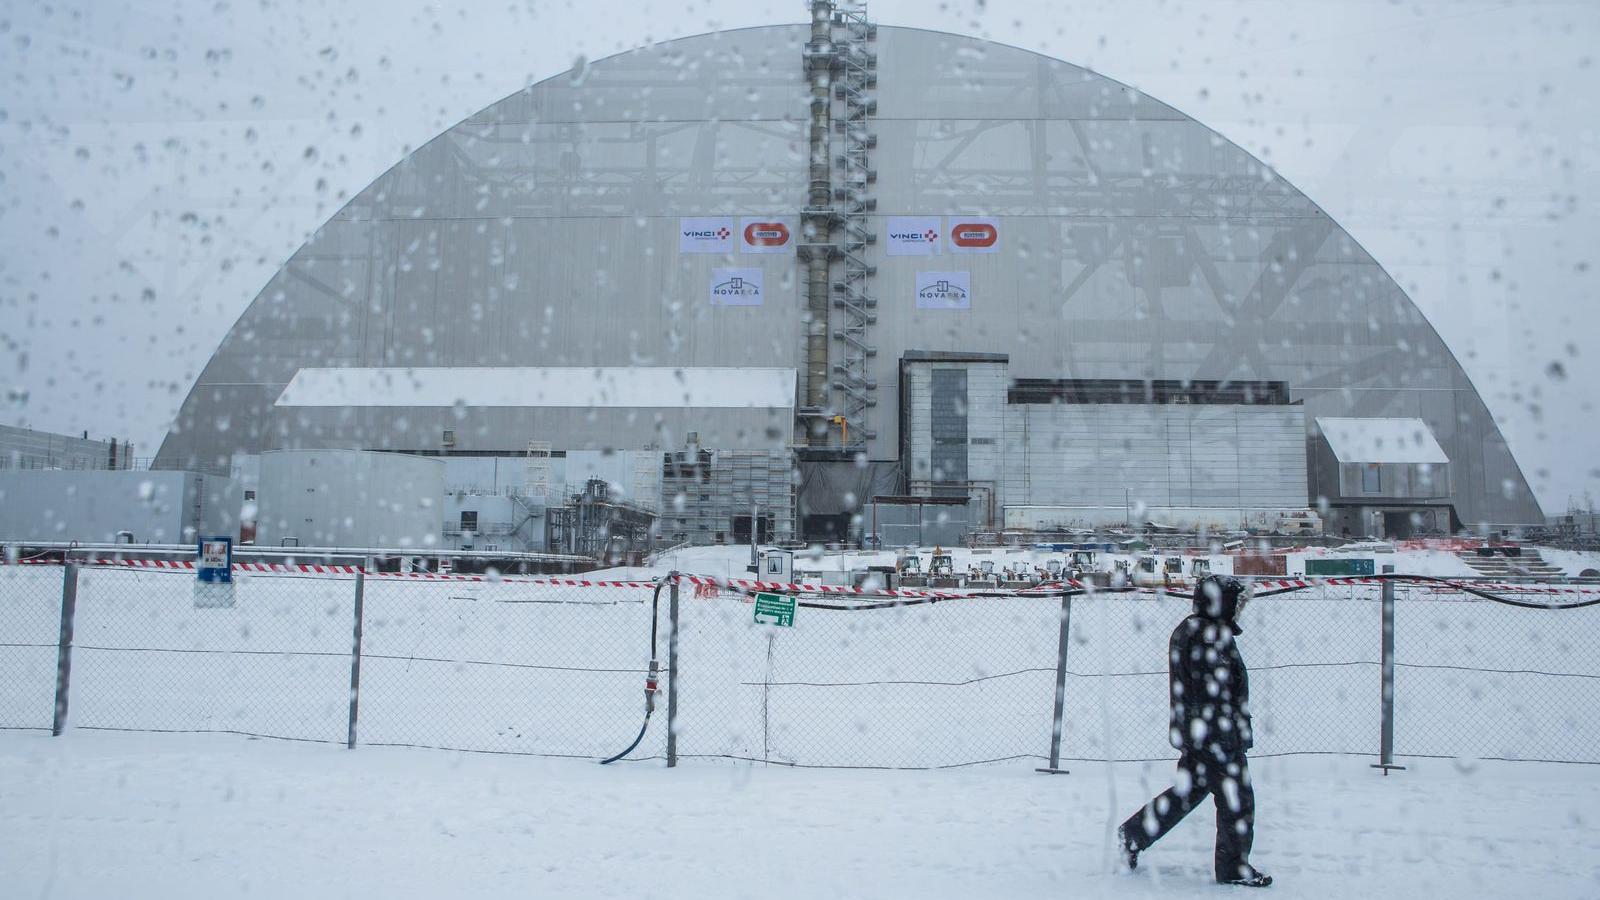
171,817
1572,563
515,667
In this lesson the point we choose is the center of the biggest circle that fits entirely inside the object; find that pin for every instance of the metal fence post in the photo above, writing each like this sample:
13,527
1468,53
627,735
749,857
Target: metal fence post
355,656
69,612
1061,689
1386,740
672,673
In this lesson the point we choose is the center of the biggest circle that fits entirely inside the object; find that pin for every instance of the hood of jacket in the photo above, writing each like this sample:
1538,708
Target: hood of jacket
1218,598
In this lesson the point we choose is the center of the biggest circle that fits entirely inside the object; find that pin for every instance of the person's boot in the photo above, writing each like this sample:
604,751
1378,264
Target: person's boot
1248,876
1127,849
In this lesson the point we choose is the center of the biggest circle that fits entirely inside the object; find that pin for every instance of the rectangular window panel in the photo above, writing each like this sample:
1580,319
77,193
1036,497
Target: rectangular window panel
948,414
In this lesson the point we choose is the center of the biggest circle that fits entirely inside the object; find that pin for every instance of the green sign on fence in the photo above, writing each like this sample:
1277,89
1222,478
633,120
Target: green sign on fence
775,609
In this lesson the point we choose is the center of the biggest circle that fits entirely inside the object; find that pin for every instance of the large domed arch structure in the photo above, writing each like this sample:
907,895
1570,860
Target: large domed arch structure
544,231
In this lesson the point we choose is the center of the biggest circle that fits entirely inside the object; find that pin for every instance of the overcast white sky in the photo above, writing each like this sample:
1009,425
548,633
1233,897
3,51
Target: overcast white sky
159,161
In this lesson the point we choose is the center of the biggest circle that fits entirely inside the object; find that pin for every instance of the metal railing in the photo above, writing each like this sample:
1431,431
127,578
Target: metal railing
554,667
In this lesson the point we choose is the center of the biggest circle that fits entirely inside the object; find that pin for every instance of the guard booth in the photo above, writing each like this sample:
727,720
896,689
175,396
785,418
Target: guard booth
777,565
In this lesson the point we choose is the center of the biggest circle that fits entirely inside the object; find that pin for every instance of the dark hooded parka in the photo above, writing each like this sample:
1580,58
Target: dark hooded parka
1210,687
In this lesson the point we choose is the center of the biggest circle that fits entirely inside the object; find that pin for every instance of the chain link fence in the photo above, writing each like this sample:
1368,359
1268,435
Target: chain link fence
554,668
276,663
1475,678
1313,655
962,682
507,667
30,627
925,685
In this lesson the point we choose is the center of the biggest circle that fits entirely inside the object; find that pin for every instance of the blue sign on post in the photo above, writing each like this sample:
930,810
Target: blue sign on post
215,565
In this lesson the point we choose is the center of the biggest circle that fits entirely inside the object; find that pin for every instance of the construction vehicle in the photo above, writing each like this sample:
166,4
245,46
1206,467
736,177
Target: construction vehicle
1173,574
1085,567
942,570
1155,572
909,572
1121,573
985,574
1019,577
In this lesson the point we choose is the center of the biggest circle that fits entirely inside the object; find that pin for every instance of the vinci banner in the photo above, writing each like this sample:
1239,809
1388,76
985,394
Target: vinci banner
767,235
913,236
944,290
736,287
712,234
974,234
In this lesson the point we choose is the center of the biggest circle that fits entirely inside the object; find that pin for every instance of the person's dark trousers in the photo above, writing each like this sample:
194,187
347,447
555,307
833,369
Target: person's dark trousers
1226,778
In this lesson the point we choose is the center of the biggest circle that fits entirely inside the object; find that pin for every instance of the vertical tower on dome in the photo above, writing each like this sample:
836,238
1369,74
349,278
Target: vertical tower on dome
841,68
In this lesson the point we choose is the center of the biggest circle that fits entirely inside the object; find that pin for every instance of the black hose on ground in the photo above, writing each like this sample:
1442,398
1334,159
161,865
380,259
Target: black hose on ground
1446,582
651,675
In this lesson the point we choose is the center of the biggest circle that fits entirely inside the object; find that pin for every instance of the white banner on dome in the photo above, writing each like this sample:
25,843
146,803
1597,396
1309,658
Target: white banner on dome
913,236
736,287
705,234
765,235
944,290
974,234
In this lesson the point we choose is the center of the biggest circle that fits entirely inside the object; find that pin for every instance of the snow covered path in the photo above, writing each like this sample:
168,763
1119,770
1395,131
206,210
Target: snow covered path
204,816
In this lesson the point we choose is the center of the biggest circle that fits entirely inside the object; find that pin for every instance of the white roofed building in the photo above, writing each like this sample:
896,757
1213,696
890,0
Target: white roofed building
1385,477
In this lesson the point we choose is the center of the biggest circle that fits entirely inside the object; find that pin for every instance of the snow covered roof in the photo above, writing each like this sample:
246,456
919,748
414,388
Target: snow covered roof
1381,440
531,386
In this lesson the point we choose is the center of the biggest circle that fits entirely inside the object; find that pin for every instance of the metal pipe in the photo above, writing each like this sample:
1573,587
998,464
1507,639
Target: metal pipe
355,656
818,222
672,674
1057,722
1386,737
69,612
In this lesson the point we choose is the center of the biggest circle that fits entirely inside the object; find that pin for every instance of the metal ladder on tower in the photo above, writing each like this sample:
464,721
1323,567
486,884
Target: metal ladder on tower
855,70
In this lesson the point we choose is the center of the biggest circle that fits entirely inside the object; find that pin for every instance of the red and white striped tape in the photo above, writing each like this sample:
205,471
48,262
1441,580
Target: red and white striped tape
181,565
848,590
742,584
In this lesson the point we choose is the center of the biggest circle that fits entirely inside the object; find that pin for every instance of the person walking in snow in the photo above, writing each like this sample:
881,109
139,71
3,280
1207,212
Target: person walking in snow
1211,729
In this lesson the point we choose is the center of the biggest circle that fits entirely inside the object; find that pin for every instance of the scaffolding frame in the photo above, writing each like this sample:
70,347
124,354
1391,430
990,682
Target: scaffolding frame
704,494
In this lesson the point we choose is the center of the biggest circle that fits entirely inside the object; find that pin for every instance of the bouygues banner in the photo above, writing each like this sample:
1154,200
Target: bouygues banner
736,287
765,235
913,236
705,234
944,290
974,234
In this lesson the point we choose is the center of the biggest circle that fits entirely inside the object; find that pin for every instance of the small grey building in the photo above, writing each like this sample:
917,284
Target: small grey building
1384,477
1040,454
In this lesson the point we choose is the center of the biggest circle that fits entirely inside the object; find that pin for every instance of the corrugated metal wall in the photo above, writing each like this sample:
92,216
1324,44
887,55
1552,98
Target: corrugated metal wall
348,498
1162,456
